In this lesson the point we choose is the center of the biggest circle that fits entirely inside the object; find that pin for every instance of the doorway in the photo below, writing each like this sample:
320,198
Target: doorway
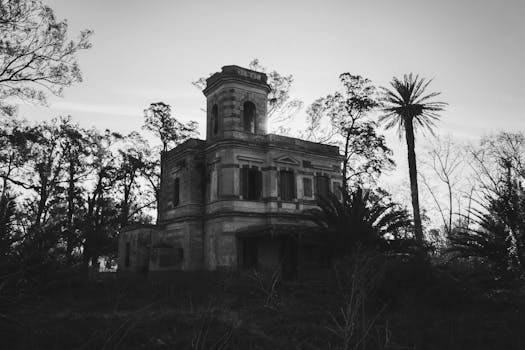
289,258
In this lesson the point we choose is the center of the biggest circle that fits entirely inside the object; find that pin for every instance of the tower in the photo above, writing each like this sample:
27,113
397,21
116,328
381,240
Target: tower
236,101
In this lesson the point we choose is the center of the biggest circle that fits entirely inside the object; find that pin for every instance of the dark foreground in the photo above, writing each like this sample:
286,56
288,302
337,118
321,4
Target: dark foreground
237,311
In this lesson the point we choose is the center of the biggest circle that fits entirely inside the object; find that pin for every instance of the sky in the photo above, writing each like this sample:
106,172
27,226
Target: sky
149,51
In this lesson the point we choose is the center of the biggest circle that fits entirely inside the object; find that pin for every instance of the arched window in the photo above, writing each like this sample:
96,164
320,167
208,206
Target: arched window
249,117
215,119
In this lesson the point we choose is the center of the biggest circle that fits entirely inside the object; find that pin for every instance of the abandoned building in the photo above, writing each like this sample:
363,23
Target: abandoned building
236,199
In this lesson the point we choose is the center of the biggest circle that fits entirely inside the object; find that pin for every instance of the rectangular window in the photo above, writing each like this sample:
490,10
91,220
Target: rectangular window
287,185
322,184
127,254
176,192
336,189
251,183
307,187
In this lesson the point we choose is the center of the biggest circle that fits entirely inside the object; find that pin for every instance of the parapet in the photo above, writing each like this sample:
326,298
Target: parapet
303,145
236,73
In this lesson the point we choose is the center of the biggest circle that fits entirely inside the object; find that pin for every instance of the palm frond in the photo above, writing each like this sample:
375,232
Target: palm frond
407,99
358,220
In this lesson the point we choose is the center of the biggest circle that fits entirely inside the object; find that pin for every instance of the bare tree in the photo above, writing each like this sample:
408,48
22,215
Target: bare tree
498,164
444,163
36,56
505,150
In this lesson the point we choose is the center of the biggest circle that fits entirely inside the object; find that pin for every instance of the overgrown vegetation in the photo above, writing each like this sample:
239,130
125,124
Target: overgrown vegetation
394,281
366,304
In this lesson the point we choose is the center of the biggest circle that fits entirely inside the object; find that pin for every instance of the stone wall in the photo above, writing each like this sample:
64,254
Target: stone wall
133,249
177,247
185,163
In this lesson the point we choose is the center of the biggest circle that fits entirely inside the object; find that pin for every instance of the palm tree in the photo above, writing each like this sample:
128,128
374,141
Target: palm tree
407,106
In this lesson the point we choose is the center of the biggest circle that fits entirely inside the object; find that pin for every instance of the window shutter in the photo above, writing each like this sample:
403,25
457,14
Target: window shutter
215,119
323,186
337,190
291,183
244,182
176,192
287,189
307,187
251,183
258,184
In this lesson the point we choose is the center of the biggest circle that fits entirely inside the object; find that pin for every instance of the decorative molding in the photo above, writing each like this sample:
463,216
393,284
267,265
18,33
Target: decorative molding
175,171
214,161
250,159
325,168
287,160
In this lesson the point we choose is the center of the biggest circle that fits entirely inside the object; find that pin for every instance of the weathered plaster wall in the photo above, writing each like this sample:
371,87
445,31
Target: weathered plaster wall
185,163
139,240
177,247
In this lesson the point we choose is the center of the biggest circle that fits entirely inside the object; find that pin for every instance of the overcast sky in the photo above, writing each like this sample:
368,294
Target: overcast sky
149,51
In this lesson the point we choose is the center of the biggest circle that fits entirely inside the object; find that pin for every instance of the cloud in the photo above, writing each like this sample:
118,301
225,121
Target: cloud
156,93
110,109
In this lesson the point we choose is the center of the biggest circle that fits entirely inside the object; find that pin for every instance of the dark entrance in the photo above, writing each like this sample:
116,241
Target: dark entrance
289,257
249,253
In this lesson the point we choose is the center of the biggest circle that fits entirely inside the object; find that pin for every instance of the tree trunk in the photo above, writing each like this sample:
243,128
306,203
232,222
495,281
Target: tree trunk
70,208
91,224
158,190
124,215
412,171
345,161
41,201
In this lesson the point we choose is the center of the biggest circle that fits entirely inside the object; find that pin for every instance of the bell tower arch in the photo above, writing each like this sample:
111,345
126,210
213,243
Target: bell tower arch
236,100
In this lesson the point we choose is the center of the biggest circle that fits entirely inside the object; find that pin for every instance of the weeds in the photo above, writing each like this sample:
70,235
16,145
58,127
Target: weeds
356,276
347,314
201,339
267,283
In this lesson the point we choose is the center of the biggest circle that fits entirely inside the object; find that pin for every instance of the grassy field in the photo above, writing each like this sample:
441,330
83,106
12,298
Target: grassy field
238,311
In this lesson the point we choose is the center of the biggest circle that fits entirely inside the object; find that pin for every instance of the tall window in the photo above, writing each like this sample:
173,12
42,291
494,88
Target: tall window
322,184
307,187
251,183
176,192
336,189
287,181
215,119
249,117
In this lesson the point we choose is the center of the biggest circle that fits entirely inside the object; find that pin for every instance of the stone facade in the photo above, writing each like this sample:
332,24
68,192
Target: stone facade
236,199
